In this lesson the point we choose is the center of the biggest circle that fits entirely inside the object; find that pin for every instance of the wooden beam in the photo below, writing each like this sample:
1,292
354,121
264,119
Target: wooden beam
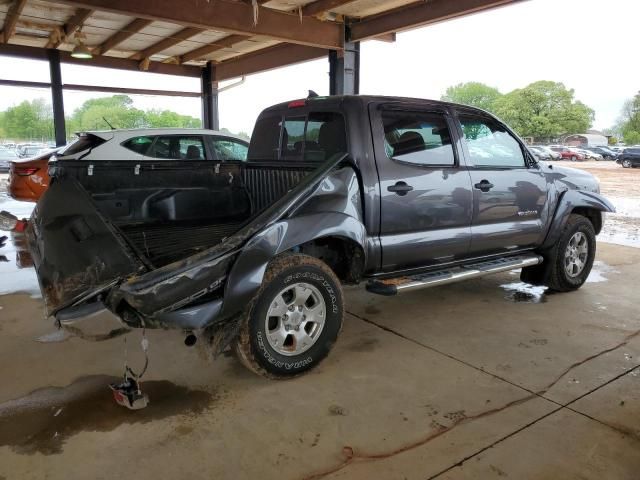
168,42
419,14
267,59
119,37
227,16
58,36
11,19
321,6
21,51
212,47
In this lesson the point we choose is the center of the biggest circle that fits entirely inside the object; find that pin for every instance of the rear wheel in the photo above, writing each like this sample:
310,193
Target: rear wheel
568,264
573,158
626,163
294,320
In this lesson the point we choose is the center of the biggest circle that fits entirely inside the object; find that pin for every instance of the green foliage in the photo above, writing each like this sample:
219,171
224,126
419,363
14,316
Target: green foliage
475,94
630,122
34,120
28,120
544,110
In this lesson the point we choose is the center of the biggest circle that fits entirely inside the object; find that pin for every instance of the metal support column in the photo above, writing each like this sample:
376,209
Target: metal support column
210,116
57,97
344,70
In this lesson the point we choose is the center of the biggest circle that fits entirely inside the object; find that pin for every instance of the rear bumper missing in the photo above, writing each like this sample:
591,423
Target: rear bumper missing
91,321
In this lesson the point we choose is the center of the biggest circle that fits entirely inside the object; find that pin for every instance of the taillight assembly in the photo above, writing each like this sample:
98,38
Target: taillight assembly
25,171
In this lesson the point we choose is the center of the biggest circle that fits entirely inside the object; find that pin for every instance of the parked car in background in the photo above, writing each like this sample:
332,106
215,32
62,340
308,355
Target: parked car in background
567,154
604,151
552,154
589,155
6,156
539,153
630,157
31,150
156,144
29,177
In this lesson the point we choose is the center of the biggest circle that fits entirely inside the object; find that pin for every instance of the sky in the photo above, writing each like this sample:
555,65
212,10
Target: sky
589,45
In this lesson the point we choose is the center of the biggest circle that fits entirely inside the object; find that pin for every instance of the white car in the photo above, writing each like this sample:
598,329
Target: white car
554,155
156,144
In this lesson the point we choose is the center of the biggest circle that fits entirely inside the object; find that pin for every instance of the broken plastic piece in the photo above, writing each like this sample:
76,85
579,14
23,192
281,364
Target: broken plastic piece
129,395
7,221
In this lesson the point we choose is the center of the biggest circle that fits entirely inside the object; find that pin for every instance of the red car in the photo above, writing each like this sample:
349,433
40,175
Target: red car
29,177
567,154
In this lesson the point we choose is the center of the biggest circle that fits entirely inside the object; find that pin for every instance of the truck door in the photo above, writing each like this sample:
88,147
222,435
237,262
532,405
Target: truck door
425,193
509,190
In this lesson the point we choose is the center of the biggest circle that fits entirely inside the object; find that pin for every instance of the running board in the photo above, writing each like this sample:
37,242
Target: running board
394,286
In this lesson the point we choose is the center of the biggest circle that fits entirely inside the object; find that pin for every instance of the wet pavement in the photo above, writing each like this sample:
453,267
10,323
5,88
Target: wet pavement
490,378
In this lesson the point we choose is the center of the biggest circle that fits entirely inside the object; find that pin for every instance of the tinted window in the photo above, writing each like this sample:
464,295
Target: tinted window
265,139
419,138
229,149
490,145
314,138
84,142
138,144
178,147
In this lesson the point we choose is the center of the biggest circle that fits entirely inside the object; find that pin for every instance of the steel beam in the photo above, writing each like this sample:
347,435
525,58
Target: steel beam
57,98
344,70
227,16
418,14
210,115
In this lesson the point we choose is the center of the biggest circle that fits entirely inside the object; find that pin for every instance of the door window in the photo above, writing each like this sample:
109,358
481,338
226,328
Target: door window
138,144
178,147
490,145
228,149
418,138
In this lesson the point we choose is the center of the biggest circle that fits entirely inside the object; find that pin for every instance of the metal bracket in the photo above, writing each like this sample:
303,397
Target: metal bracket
136,170
90,170
217,168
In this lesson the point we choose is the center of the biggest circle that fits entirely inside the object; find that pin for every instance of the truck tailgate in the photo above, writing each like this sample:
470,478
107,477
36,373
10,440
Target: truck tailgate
77,253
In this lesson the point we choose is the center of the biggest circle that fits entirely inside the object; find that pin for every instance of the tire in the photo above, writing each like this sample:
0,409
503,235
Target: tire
573,158
268,344
626,163
555,271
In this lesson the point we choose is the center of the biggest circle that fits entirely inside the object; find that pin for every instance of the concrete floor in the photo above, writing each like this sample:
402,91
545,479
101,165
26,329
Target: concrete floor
427,385
484,379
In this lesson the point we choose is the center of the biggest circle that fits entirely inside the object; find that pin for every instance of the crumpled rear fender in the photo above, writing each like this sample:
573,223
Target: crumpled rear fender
567,203
334,209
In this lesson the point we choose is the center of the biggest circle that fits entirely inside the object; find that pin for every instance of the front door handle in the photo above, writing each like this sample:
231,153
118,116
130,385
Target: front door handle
484,186
400,188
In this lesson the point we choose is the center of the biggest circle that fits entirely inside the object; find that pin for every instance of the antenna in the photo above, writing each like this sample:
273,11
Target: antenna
107,122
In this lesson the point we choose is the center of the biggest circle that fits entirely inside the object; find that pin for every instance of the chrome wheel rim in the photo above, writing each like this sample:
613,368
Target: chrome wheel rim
626,163
576,253
295,319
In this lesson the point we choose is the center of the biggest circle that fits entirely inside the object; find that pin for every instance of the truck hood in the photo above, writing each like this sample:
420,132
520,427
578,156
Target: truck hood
571,178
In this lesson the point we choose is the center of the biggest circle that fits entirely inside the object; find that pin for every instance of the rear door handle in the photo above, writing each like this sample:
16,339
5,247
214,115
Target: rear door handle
400,188
484,186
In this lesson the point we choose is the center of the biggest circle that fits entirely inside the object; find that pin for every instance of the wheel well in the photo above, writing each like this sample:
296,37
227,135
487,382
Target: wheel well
345,257
593,215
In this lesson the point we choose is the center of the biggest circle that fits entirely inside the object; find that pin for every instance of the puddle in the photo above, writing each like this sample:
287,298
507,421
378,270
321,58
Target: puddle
44,419
56,336
16,273
598,272
524,292
622,227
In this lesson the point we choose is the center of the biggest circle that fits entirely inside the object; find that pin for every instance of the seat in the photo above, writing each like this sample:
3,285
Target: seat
409,142
193,153
332,138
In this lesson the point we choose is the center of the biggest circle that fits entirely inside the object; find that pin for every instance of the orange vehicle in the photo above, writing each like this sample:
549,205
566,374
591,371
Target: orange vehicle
29,177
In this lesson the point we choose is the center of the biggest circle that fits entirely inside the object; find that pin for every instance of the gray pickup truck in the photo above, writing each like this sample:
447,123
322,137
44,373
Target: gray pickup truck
399,193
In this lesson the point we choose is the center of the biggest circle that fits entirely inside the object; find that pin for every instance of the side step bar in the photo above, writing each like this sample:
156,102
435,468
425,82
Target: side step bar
394,286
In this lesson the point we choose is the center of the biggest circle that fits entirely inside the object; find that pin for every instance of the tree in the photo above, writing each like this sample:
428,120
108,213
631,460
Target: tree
28,120
630,121
544,110
167,118
475,94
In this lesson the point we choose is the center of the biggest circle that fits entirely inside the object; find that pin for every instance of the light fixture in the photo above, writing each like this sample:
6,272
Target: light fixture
81,50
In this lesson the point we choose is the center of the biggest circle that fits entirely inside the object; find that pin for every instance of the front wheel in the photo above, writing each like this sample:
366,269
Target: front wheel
294,320
626,163
568,264
574,158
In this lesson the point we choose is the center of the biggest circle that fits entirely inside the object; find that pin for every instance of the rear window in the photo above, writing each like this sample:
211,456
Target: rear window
138,144
84,142
313,138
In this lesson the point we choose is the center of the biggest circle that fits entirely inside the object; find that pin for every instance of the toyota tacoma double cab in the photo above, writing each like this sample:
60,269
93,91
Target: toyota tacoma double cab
397,193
